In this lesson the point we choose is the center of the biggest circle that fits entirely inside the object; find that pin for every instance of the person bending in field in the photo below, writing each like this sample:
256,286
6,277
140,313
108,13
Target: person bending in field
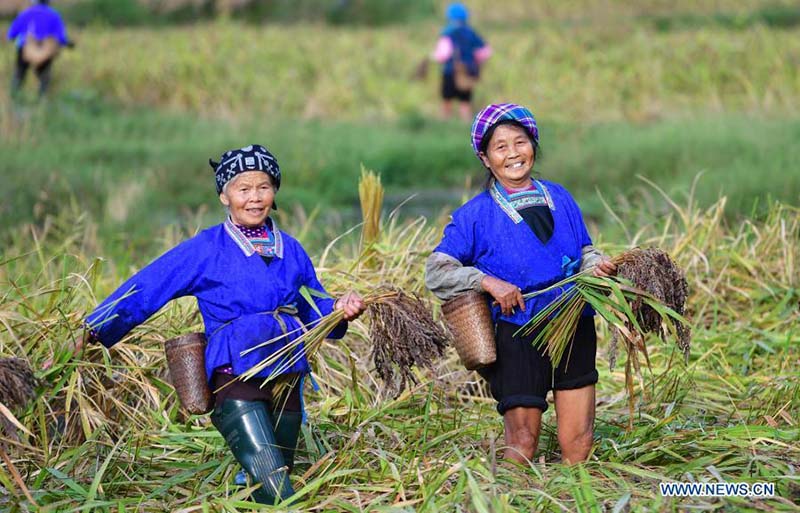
38,32
246,275
461,51
518,236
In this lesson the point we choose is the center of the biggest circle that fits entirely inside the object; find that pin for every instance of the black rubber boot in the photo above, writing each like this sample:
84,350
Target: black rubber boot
287,430
247,428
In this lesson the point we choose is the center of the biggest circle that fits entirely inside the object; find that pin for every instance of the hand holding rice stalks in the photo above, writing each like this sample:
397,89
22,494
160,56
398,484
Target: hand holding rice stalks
402,331
648,295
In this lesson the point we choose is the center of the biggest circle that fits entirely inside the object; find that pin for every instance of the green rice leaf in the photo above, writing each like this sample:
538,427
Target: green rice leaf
308,292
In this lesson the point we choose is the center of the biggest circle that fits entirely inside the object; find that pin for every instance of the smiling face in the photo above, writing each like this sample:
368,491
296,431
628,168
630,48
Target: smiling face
249,198
510,156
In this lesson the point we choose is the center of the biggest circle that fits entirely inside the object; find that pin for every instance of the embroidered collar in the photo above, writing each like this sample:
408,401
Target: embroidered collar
244,243
511,203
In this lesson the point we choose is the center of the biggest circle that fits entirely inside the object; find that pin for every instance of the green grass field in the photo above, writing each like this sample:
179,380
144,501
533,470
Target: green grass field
673,124
138,106
139,169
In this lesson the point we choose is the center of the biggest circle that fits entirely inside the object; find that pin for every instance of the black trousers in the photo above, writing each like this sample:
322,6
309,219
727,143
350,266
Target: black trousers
42,71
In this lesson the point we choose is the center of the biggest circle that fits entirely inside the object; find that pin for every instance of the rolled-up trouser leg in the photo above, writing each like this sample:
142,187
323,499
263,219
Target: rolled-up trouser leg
287,430
247,428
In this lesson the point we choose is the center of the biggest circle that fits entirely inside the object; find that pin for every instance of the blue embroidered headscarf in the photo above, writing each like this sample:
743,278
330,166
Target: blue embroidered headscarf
250,158
497,112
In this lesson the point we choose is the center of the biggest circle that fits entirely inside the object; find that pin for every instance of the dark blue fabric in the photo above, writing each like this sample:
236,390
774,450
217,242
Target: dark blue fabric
40,20
482,235
465,42
234,293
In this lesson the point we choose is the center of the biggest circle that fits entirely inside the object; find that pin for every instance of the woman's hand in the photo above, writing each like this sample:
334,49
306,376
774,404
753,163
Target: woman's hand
605,268
508,296
351,305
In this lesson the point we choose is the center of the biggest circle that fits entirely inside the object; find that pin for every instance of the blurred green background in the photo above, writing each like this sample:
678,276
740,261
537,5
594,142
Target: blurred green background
661,90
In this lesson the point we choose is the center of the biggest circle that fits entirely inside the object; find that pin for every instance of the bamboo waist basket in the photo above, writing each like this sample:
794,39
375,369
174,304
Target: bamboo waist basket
187,369
470,322
37,51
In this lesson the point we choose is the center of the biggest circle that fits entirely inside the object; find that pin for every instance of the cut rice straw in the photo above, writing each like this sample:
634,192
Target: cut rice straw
403,334
623,302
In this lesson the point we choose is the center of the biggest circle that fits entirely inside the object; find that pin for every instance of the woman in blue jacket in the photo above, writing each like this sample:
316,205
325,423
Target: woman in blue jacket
246,275
518,236
459,44
40,22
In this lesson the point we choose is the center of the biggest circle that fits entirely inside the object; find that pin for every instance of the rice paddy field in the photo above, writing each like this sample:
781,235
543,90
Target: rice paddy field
674,124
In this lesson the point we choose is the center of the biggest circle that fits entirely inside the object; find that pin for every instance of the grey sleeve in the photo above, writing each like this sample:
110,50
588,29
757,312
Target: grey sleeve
446,277
590,256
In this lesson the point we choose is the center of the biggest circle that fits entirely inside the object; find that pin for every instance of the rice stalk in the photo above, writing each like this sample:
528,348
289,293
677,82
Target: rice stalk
17,389
732,413
370,194
648,295
402,331
404,335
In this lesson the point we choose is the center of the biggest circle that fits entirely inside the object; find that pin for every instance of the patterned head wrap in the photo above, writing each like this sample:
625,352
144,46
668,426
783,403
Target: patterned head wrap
497,112
250,158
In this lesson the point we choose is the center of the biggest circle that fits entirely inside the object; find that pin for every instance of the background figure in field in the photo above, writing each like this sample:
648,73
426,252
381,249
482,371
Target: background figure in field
39,33
461,51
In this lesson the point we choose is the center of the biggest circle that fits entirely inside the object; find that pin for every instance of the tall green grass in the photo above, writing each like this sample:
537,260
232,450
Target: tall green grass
108,434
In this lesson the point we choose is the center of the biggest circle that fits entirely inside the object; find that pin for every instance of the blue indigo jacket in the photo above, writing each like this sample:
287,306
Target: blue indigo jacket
487,233
237,292
41,21
465,42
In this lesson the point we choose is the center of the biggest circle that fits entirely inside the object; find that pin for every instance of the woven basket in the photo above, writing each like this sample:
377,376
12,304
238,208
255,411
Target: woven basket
470,322
187,369
37,51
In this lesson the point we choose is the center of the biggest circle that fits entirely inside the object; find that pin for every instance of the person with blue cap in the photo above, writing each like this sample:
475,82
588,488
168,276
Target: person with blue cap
38,33
461,51
246,275
523,234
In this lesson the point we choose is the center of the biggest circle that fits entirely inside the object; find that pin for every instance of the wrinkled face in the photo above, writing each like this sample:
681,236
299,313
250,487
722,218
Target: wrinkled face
249,197
510,156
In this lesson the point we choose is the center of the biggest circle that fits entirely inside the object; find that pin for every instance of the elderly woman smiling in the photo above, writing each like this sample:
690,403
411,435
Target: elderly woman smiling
246,275
523,235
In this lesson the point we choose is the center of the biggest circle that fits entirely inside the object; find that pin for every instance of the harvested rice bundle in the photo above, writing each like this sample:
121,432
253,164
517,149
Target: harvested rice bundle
653,271
17,388
402,330
648,294
17,382
403,334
